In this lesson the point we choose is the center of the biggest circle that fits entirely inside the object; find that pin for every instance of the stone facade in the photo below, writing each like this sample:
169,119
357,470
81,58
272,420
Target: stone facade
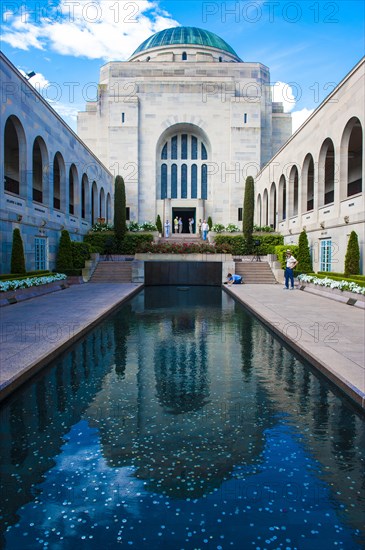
51,180
316,180
175,96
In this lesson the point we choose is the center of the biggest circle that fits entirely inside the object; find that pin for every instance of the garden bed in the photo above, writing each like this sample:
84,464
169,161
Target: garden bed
344,296
21,294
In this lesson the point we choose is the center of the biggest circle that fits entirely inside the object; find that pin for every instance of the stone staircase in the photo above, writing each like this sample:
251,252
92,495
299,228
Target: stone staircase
181,238
112,272
258,273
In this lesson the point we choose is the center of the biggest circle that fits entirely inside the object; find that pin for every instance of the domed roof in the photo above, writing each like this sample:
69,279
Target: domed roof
185,35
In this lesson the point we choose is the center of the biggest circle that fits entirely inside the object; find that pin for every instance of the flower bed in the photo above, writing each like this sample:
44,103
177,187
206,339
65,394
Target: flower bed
184,248
16,284
331,283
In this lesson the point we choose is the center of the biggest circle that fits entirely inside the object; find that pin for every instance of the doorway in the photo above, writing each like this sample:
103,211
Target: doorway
185,214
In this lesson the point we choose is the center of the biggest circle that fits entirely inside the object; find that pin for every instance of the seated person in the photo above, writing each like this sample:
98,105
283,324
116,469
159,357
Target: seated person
234,279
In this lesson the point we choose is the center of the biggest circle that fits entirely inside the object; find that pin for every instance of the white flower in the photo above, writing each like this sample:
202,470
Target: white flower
30,281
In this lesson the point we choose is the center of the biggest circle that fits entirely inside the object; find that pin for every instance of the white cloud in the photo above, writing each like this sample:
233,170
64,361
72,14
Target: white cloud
96,30
283,93
298,117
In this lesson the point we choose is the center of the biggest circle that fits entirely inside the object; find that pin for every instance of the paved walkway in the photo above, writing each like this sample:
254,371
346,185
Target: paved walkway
33,332
327,333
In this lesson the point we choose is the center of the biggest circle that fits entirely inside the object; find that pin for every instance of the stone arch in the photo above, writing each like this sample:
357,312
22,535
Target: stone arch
102,203
40,171
84,197
182,152
59,182
265,208
272,206
307,184
352,143
326,173
282,202
72,190
15,157
94,202
259,210
293,191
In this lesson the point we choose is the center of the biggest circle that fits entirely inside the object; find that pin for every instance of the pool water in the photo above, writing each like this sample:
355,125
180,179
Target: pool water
180,422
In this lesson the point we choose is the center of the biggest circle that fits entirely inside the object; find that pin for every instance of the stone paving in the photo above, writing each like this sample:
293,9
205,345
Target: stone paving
329,334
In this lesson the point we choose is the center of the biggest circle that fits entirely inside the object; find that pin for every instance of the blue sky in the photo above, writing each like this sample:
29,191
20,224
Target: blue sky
309,46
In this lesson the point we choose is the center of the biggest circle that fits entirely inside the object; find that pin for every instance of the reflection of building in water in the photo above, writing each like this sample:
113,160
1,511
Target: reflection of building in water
35,420
183,435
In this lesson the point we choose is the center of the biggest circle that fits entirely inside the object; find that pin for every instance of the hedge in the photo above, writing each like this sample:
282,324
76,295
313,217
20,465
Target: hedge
329,275
30,274
80,254
105,242
238,243
332,274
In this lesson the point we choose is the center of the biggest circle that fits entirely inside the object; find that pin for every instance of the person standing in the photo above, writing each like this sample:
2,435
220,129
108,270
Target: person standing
191,222
200,227
291,262
176,224
205,228
167,229
180,225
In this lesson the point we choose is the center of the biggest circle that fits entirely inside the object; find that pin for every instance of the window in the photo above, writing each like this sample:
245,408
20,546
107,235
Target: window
174,148
194,181
184,181
123,118
194,148
184,56
184,146
127,213
245,118
240,214
164,181
174,181
326,255
40,249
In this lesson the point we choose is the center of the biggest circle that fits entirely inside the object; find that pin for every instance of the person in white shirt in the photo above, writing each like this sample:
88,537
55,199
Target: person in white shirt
291,262
205,229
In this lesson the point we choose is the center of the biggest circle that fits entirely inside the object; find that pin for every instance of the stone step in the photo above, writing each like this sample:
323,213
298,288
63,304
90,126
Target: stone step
255,272
112,272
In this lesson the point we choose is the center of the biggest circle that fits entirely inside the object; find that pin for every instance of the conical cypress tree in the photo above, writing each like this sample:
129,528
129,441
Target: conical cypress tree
248,212
120,225
159,224
303,256
352,258
17,254
64,256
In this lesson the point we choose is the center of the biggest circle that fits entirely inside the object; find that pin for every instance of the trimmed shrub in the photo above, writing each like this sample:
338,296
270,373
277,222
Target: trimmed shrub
335,274
210,223
248,212
352,258
159,224
64,257
80,253
105,243
17,254
239,246
304,258
120,212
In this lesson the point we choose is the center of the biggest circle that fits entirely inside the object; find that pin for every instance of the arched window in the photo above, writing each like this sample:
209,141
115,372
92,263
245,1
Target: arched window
182,172
293,191
14,143
184,56
308,183
184,181
194,181
354,158
102,203
39,167
272,206
84,193
72,183
164,181
94,202
174,181
259,211
108,208
282,199
326,168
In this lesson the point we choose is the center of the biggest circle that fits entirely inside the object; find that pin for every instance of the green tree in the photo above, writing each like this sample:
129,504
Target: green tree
304,257
352,258
120,225
210,223
248,212
17,254
64,261
159,224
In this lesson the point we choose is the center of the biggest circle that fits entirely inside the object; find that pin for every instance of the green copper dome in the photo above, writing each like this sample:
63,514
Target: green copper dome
185,35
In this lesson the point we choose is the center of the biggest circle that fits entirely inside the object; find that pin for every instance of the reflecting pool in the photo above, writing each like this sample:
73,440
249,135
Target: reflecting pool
181,423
